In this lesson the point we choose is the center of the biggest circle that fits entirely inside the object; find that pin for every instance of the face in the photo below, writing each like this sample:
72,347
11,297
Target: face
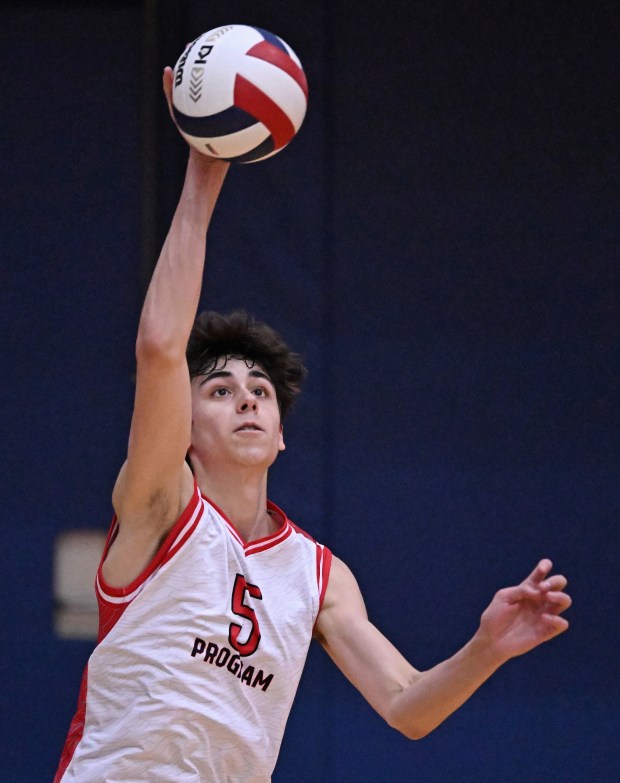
235,416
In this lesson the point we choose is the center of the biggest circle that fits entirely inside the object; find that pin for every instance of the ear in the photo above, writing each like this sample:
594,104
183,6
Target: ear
281,445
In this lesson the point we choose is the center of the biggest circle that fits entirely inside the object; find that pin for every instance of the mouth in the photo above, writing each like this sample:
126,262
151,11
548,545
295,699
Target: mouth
249,428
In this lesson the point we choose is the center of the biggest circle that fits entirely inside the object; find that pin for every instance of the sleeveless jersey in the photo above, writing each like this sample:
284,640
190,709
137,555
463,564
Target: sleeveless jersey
198,660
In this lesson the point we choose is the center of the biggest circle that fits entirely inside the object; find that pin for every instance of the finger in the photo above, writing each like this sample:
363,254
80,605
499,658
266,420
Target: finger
556,582
167,81
558,602
524,591
540,572
555,625
550,600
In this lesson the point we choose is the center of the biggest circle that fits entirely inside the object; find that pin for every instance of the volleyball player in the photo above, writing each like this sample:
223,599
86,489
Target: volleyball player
209,595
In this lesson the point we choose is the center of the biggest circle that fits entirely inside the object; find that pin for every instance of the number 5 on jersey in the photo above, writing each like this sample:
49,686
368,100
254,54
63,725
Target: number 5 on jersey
243,610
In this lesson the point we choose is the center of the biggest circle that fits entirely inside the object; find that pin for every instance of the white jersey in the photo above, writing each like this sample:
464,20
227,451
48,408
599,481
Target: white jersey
198,660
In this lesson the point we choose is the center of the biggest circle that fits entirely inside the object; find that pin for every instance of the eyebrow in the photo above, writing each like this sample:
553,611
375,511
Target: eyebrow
228,374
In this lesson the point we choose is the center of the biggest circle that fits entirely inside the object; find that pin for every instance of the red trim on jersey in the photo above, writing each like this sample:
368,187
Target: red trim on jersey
259,544
266,543
114,600
168,548
323,569
323,566
76,730
303,532
323,563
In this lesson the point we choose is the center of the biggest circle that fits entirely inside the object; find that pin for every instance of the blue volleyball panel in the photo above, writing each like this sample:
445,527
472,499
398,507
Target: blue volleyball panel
223,123
264,148
273,39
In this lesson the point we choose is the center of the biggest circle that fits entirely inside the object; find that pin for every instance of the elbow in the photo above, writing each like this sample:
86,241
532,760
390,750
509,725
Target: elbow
408,727
413,732
157,347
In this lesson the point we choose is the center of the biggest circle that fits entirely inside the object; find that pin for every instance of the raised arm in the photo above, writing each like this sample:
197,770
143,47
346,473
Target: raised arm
155,483
414,702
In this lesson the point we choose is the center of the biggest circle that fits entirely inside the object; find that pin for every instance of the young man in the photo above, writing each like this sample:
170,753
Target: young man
209,596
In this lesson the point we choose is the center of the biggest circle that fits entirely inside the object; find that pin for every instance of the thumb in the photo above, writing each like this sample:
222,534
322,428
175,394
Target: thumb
522,592
167,78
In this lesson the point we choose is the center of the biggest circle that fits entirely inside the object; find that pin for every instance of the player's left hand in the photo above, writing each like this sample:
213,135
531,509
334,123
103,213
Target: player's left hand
522,617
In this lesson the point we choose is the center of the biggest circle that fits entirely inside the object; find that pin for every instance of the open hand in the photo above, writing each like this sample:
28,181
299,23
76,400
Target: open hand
522,617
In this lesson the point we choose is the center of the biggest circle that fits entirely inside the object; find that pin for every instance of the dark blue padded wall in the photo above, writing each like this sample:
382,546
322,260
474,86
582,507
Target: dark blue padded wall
70,303
439,243
475,382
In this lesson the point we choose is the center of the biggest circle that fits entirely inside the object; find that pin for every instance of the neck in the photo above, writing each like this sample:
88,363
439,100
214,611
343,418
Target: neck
242,496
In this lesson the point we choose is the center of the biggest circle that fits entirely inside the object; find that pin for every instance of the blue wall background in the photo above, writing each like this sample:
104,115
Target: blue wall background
440,242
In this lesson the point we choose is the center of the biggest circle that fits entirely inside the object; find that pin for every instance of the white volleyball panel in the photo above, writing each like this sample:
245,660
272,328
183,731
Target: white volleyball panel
277,85
210,69
229,146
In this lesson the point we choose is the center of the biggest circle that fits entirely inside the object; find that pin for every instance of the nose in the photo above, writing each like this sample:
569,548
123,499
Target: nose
247,402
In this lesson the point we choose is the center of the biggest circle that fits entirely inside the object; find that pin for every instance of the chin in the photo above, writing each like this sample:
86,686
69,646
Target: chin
256,459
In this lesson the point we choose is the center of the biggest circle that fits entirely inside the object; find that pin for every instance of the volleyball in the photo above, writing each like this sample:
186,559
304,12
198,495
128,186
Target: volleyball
239,93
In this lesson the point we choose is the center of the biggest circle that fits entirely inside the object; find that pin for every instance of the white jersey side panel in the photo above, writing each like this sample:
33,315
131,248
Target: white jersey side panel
196,678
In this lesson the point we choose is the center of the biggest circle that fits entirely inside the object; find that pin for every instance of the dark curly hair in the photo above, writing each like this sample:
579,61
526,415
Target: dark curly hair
239,335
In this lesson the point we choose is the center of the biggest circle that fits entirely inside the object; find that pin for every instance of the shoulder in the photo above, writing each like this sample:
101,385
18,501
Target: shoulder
140,532
342,584
343,598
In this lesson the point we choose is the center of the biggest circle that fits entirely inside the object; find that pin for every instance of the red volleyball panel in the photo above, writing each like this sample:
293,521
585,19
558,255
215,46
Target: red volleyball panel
255,102
271,54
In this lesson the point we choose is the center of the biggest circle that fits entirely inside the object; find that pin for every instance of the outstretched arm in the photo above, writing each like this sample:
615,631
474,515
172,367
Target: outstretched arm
155,484
517,619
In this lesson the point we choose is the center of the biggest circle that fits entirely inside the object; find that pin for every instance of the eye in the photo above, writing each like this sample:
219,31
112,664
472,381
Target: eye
221,391
260,391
